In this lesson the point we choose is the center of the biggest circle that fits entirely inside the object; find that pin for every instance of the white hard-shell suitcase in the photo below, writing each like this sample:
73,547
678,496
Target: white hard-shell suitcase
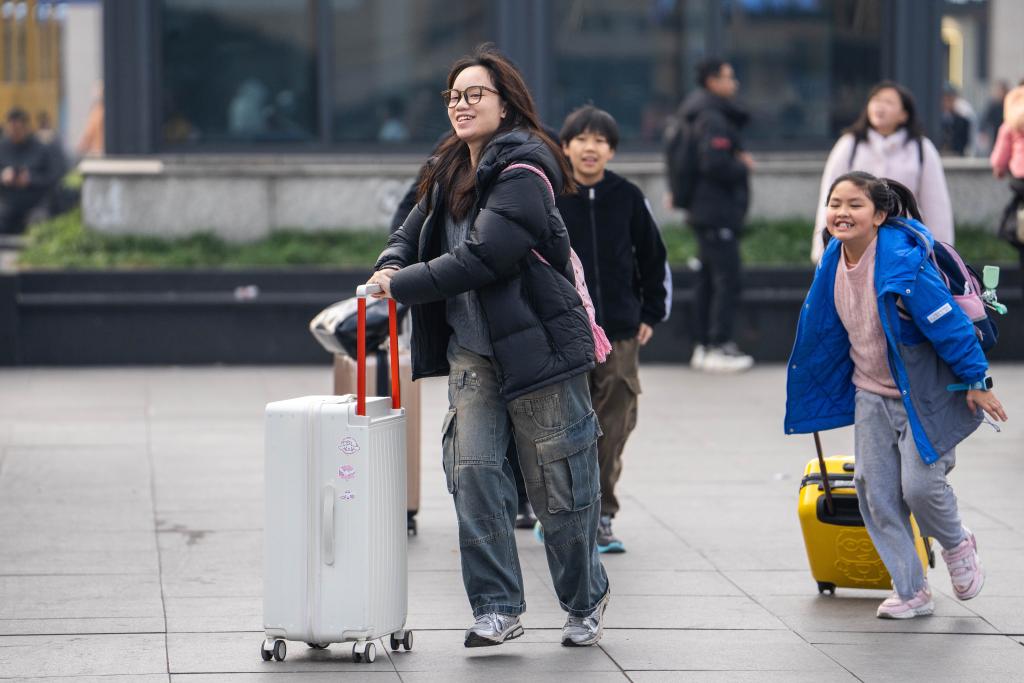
334,555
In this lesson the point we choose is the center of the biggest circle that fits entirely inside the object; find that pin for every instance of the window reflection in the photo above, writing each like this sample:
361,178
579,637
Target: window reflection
238,71
391,58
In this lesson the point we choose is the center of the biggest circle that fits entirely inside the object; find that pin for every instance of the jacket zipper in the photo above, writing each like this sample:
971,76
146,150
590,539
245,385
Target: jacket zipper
598,301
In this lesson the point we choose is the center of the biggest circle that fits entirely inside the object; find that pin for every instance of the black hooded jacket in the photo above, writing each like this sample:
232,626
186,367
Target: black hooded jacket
722,193
624,260
539,330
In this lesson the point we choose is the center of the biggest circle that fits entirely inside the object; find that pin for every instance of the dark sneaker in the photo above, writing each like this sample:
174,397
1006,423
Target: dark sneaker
493,629
583,631
606,541
525,519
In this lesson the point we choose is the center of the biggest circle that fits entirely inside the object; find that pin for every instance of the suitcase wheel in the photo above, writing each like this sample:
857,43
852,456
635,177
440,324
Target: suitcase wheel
318,646
824,587
364,651
401,639
273,649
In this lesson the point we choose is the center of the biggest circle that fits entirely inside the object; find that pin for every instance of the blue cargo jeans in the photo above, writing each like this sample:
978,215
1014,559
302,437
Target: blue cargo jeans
556,433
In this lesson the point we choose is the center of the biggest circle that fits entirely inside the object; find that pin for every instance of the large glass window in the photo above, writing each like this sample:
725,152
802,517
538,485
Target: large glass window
237,71
805,66
629,57
391,58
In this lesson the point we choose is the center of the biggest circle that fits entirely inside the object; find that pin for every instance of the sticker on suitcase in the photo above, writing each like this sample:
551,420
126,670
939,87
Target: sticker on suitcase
856,558
349,446
346,472
347,495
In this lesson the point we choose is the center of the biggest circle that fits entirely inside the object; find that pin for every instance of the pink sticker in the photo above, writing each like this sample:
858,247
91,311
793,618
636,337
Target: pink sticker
347,495
349,446
347,472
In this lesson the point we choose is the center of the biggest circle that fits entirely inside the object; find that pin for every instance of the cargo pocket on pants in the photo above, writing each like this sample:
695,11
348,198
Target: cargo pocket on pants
448,458
568,460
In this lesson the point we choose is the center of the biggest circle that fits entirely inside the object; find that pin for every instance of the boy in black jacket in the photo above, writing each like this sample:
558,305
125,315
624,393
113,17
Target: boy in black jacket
624,261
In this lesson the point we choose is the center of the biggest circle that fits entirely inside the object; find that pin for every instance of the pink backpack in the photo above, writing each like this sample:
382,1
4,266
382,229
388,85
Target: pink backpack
602,347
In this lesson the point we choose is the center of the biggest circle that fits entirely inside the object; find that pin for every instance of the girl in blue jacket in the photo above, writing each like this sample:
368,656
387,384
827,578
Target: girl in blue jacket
881,344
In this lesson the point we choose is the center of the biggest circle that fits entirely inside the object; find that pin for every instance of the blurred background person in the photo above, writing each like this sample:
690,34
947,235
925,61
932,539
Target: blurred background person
956,123
1008,157
27,172
992,118
888,141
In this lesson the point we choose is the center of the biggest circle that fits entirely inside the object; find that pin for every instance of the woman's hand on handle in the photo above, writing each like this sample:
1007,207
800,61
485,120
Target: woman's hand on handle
383,278
987,401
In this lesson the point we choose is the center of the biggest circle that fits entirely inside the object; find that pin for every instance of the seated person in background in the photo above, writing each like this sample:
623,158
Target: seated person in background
27,172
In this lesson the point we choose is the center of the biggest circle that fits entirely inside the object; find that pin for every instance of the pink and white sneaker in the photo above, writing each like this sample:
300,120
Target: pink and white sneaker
965,567
895,607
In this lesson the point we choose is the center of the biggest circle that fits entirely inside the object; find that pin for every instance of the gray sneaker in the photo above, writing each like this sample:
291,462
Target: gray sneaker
493,629
583,631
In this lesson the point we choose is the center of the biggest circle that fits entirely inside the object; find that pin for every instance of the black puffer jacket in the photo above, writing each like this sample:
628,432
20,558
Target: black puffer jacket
538,327
722,194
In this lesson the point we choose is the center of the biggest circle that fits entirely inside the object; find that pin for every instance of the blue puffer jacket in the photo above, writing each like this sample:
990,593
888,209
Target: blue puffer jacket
934,348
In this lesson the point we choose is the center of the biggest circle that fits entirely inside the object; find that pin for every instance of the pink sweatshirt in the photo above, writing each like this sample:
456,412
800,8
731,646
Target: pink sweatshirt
892,157
857,306
1008,152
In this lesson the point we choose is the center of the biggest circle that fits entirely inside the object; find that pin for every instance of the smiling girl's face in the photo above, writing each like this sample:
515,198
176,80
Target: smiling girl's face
851,216
475,124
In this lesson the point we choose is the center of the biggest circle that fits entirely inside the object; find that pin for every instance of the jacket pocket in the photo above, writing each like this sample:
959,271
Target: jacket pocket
568,461
448,454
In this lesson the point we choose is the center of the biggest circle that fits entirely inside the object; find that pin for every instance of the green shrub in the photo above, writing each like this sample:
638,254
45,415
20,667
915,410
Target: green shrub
64,242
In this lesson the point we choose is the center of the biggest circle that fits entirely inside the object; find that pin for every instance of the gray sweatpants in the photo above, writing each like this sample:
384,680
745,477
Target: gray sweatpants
892,481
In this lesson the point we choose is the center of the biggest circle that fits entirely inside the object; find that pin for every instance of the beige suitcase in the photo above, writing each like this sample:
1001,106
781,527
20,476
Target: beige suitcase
345,383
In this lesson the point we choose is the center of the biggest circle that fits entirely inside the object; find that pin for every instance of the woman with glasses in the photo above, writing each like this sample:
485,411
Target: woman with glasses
484,261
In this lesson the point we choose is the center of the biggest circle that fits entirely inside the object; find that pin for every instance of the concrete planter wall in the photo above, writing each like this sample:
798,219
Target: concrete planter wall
203,317
246,198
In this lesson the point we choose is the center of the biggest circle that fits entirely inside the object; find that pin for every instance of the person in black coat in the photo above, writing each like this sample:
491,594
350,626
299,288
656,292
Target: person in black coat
484,261
624,262
718,206
28,172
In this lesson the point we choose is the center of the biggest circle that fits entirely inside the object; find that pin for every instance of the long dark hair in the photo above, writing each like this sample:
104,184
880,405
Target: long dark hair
451,164
888,196
915,131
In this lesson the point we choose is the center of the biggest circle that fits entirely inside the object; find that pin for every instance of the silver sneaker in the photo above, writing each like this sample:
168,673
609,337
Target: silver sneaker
726,358
583,631
493,629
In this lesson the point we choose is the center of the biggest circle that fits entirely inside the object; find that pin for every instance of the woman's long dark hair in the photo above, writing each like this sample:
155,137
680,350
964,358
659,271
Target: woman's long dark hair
860,127
451,163
888,196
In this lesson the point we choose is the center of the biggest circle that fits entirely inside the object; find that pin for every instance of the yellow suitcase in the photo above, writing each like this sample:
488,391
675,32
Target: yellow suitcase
839,549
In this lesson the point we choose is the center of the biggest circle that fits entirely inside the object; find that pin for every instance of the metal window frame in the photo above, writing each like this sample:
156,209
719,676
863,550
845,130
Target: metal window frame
911,50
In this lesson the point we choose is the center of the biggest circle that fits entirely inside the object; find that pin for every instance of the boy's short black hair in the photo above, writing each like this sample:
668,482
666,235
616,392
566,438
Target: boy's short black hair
17,114
590,118
709,68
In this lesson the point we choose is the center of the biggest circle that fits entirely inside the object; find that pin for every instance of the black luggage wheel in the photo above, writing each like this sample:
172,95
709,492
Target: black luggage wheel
825,587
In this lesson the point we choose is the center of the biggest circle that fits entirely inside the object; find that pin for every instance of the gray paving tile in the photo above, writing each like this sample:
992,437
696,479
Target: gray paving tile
80,604
688,612
307,677
854,613
513,676
710,650
214,653
877,657
64,552
198,563
442,652
186,615
737,676
82,655
1005,614
627,580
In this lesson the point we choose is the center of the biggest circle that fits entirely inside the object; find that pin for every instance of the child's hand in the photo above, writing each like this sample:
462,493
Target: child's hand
644,334
987,401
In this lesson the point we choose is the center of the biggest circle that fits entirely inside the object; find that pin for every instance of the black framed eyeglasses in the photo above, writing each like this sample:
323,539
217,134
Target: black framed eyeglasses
472,94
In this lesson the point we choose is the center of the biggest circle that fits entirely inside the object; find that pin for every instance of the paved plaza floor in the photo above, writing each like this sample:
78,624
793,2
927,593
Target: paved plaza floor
131,516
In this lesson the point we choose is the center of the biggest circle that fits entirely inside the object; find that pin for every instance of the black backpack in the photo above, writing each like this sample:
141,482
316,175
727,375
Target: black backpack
681,160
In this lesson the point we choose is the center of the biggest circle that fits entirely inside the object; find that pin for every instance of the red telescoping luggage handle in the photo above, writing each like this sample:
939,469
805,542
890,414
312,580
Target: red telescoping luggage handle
362,292
829,505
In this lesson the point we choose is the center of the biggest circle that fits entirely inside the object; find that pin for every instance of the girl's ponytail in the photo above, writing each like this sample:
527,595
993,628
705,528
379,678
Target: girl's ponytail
901,201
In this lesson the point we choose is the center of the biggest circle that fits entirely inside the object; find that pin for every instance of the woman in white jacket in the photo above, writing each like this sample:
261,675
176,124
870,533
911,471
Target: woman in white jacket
887,141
